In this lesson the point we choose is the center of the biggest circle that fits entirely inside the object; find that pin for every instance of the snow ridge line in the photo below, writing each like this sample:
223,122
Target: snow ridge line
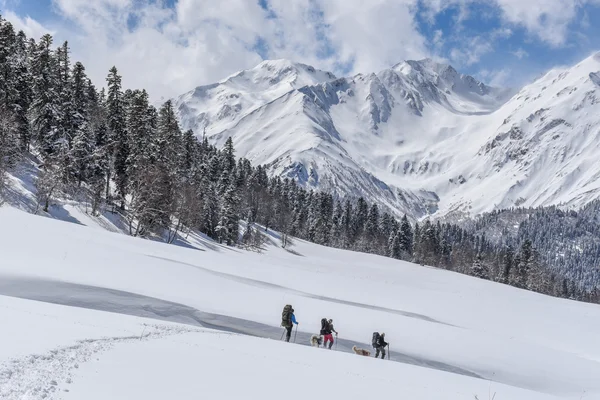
38,376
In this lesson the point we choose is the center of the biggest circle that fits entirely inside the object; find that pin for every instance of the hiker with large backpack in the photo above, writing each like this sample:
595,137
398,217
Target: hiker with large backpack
288,319
326,331
379,344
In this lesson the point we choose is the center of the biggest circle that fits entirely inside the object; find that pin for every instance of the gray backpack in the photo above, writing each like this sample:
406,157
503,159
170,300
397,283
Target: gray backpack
286,315
376,337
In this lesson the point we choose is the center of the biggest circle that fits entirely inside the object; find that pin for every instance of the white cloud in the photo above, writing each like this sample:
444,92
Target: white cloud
520,53
548,20
471,52
497,77
171,50
31,27
376,34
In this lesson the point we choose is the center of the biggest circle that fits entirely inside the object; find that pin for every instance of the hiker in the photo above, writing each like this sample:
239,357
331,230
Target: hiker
379,344
288,319
326,331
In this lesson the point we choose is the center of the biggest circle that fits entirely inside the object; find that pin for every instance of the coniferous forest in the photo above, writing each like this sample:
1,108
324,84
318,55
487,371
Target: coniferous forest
112,147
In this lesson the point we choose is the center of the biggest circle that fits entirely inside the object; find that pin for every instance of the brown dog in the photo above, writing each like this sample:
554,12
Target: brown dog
361,352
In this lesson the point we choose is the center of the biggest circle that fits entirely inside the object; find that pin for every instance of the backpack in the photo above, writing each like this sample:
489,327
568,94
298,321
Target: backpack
324,326
286,315
376,338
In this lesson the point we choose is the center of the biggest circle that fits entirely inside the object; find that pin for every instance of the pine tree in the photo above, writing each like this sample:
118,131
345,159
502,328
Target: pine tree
83,137
347,227
372,228
7,67
139,138
8,149
358,223
15,91
210,211
64,89
406,238
478,269
46,100
507,265
117,135
228,156
395,246
336,226
100,160
228,228
525,265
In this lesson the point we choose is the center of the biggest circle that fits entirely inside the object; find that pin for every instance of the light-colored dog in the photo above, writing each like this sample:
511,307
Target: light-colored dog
361,352
316,340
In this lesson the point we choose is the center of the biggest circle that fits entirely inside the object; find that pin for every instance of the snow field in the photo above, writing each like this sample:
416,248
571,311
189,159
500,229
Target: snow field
455,327
98,355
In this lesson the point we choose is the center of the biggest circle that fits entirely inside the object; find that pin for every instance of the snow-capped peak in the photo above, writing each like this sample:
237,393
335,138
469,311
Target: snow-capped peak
273,73
419,137
444,76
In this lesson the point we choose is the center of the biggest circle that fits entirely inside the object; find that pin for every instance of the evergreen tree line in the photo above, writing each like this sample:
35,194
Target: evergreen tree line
567,243
113,147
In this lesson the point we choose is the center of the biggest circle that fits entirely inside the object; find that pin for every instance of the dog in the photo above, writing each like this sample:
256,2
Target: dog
316,340
361,352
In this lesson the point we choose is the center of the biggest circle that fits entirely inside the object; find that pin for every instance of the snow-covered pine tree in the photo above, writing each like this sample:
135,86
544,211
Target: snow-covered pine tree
507,265
168,142
140,135
100,161
8,91
63,65
406,238
228,228
210,210
336,225
117,134
372,229
525,265
46,101
359,220
395,247
23,88
228,154
347,231
386,226
81,130
8,146
477,268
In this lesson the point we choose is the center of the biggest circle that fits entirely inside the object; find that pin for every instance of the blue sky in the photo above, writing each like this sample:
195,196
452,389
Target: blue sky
512,47
170,46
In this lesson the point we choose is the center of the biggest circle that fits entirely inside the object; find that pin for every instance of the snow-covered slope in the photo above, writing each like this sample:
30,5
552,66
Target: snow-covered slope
452,336
418,137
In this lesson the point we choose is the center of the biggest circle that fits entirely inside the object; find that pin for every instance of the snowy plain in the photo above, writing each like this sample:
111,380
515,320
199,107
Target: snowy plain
93,314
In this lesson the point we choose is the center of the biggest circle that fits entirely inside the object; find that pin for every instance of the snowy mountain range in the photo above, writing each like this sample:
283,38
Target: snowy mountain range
419,137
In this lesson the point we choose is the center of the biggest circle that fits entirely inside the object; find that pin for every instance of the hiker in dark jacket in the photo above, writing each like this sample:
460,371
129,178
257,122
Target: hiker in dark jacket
380,346
288,321
326,331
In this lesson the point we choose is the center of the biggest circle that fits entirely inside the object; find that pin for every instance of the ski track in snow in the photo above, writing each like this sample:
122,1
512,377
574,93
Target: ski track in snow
45,376
121,302
267,285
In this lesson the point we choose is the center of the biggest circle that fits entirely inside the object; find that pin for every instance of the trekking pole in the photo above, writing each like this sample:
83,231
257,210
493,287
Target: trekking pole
296,332
282,333
389,351
336,340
